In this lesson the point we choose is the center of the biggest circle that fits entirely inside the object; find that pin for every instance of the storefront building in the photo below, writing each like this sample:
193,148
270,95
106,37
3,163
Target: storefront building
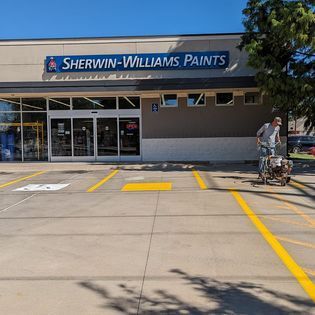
156,98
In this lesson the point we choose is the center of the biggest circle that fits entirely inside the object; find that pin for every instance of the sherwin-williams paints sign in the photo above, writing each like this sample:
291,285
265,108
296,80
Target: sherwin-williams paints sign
168,61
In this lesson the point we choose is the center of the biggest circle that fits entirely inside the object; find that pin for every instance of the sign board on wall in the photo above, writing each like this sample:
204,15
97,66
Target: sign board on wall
131,62
155,107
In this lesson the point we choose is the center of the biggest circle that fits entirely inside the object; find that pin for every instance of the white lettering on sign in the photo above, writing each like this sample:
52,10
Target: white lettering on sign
66,62
129,61
88,64
222,60
203,61
83,64
188,58
158,61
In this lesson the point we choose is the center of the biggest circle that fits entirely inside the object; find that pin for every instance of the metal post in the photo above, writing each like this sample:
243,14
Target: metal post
22,130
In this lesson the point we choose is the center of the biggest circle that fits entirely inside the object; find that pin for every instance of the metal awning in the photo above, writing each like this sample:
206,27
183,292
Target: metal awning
130,85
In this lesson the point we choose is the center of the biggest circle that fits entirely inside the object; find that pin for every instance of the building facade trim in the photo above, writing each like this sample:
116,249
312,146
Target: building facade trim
128,85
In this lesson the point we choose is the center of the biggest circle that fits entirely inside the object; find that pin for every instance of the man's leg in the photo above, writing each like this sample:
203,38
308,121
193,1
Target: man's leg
262,155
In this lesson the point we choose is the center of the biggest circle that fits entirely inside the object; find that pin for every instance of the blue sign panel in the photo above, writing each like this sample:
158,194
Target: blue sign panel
129,62
155,108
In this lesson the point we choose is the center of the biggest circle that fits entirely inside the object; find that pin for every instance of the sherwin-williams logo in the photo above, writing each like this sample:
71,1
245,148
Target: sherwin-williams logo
131,62
51,66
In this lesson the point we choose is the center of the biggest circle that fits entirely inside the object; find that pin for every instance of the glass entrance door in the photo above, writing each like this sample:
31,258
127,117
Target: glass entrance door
94,138
61,143
83,137
129,136
107,139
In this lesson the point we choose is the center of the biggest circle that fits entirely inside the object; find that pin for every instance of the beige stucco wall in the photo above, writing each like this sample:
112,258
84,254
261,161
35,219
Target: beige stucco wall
24,60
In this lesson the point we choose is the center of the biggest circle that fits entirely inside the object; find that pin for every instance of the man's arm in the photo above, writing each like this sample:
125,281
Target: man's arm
278,140
259,133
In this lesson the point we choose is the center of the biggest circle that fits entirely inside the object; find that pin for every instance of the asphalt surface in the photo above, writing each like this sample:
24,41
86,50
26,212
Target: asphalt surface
186,250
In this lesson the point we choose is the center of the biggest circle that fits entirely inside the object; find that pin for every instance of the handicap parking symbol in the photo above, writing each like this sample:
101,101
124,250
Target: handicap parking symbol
155,108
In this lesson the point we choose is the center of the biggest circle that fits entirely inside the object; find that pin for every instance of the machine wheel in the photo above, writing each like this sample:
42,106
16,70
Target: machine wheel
283,182
288,179
296,149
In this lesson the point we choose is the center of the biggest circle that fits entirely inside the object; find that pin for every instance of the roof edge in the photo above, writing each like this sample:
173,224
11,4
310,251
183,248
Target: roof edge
118,37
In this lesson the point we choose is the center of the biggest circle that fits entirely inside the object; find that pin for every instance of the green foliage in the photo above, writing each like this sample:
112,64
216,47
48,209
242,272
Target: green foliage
280,42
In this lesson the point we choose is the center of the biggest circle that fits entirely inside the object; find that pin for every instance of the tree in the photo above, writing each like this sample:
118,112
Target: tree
280,41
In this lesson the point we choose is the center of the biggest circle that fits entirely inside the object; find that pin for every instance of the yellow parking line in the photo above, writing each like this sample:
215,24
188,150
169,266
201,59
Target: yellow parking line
296,184
288,261
288,240
309,271
290,206
21,179
147,186
284,220
283,207
103,181
201,183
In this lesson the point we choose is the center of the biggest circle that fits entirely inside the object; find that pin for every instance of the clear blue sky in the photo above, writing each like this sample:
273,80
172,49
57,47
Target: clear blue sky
82,18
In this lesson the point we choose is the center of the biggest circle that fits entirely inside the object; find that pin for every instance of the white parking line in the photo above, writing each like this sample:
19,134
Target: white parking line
29,197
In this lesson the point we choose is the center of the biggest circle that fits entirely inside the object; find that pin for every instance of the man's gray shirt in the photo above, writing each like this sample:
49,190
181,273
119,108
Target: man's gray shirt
268,133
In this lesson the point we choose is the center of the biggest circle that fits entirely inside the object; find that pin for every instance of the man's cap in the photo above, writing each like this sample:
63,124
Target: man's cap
279,120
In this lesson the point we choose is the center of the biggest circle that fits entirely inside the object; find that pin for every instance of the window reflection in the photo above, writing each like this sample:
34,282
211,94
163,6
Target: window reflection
10,137
94,103
169,100
196,99
252,98
61,137
83,137
107,143
59,103
224,99
12,104
35,136
130,102
33,104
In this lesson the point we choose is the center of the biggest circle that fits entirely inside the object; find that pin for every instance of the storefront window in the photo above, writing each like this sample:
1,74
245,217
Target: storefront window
127,102
224,99
35,136
94,103
252,98
12,104
106,102
59,103
169,100
10,137
196,99
34,104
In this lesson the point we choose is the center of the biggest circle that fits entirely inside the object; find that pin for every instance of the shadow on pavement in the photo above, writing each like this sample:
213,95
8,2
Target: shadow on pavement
220,298
305,169
224,297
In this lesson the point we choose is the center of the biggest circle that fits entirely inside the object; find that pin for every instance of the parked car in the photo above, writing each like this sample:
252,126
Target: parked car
298,144
312,151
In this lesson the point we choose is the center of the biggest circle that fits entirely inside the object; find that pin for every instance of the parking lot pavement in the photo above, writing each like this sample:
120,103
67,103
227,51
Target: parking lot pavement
93,248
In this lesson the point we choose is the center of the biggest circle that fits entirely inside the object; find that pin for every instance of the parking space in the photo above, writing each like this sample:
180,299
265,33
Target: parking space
188,249
291,218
